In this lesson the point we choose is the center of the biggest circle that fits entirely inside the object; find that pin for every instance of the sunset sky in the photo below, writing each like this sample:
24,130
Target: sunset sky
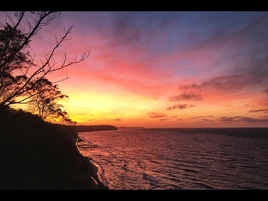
163,69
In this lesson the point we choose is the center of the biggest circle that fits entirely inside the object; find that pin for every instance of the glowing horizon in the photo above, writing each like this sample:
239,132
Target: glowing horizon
163,69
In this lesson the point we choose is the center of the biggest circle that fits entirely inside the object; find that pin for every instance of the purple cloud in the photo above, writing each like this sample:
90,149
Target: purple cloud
230,83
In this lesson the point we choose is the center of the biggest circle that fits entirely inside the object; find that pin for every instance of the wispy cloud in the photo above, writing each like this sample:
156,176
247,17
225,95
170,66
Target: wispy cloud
179,106
157,115
198,117
243,119
224,83
259,110
186,96
207,120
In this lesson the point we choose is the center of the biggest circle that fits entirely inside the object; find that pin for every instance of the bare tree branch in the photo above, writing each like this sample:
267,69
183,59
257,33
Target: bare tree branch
20,83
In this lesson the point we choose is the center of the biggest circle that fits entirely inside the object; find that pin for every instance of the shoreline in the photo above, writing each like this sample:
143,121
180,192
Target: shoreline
95,176
93,168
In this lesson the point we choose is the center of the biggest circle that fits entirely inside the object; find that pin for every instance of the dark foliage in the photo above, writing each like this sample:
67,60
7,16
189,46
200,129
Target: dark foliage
22,81
39,155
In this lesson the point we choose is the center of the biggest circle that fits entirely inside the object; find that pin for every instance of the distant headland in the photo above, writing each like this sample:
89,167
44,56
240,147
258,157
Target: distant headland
135,127
87,128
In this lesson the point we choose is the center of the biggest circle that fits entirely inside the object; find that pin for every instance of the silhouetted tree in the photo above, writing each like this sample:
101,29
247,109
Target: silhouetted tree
21,80
45,102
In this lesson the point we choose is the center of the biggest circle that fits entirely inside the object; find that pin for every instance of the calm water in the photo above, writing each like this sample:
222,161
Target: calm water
196,159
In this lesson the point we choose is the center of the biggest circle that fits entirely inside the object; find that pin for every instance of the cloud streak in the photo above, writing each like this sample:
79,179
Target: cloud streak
186,96
157,115
258,110
179,106
243,119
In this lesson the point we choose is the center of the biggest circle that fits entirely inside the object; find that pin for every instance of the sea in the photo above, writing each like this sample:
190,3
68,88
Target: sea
179,158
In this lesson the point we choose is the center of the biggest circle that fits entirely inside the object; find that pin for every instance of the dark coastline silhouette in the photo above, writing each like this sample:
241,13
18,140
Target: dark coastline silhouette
84,128
38,155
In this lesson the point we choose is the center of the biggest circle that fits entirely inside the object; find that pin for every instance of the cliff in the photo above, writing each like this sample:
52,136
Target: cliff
39,155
